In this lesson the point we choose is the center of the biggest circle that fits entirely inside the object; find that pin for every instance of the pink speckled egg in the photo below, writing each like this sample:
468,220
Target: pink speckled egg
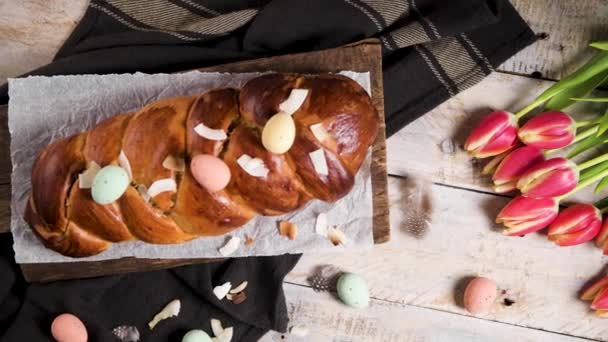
210,172
68,328
479,295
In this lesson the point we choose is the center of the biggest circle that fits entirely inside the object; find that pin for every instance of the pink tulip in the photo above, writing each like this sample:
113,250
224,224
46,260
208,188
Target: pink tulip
600,302
602,238
525,215
495,134
514,165
549,178
548,130
576,224
594,289
598,293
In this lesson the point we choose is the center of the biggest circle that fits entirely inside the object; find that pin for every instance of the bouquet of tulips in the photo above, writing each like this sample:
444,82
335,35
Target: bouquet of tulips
522,160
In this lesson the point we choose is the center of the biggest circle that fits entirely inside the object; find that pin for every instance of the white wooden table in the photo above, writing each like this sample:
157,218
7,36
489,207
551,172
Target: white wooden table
416,279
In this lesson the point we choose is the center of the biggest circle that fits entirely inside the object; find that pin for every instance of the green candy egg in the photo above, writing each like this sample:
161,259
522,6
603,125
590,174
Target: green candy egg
352,290
196,336
109,184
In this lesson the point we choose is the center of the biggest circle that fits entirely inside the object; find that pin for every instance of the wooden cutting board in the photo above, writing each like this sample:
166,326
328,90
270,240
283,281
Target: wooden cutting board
361,56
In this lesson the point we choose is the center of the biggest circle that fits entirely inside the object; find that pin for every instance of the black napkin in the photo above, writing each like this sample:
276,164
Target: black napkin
432,49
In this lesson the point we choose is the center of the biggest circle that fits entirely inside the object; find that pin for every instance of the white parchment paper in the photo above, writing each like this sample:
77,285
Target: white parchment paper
44,109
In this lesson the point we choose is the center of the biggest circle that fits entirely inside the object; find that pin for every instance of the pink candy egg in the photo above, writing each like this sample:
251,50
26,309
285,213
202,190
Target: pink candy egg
68,328
210,172
479,295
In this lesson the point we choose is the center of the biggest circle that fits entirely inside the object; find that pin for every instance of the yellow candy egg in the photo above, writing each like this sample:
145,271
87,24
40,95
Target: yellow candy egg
279,133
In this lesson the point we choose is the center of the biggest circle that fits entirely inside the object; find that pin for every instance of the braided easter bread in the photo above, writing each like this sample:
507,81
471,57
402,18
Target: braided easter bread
68,220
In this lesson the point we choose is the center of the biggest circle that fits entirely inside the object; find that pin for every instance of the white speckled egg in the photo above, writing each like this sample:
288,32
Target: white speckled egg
279,133
479,295
196,336
109,184
352,290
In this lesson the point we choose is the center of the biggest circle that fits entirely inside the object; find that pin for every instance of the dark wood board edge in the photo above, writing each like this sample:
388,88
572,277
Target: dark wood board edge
368,54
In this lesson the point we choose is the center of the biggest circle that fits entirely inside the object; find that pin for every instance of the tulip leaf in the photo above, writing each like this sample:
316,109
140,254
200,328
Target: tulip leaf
603,127
590,99
592,171
600,45
585,144
603,203
601,185
596,65
565,98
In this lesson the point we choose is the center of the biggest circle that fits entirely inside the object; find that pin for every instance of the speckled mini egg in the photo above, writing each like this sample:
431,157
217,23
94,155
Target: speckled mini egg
68,328
279,133
352,290
196,336
210,172
479,295
109,184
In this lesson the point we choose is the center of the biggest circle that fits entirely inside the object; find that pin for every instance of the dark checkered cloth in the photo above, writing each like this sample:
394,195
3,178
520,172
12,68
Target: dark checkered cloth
433,49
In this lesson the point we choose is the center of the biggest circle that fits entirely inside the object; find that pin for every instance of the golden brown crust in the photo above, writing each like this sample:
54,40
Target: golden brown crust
67,219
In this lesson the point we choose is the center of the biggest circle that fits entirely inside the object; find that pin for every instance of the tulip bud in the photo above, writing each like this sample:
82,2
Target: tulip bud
513,166
548,130
549,178
525,215
594,289
602,238
576,224
495,134
598,294
600,301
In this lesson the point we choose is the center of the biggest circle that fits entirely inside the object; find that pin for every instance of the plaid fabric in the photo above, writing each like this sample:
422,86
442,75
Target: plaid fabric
433,49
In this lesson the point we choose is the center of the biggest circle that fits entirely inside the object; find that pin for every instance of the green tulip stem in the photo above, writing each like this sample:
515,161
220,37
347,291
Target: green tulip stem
584,134
585,123
592,162
584,184
529,107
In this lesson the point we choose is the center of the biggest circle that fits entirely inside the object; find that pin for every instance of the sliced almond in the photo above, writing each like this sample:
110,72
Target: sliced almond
221,291
85,179
239,288
216,327
294,101
210,133
123,161
174,164
336,236
162,185
288,229
239,298
231,246
318,162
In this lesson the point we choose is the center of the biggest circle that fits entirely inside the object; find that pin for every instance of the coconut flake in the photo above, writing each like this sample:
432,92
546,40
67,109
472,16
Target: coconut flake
85,179
231,246
170,310
123,161
319,131
294,101
162,185
299,330
239,288
253,166
321,224
210,133
216,327
318,161
221,291
143,192
229,296
174,164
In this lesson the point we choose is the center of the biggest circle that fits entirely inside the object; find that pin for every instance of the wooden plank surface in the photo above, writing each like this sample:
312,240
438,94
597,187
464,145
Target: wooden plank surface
364,56
428,267
327,320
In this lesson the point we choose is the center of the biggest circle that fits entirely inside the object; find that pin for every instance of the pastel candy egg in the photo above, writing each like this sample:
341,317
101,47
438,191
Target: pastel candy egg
196,336
479,295
279,133
68,328
109,184
352,290
210,172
